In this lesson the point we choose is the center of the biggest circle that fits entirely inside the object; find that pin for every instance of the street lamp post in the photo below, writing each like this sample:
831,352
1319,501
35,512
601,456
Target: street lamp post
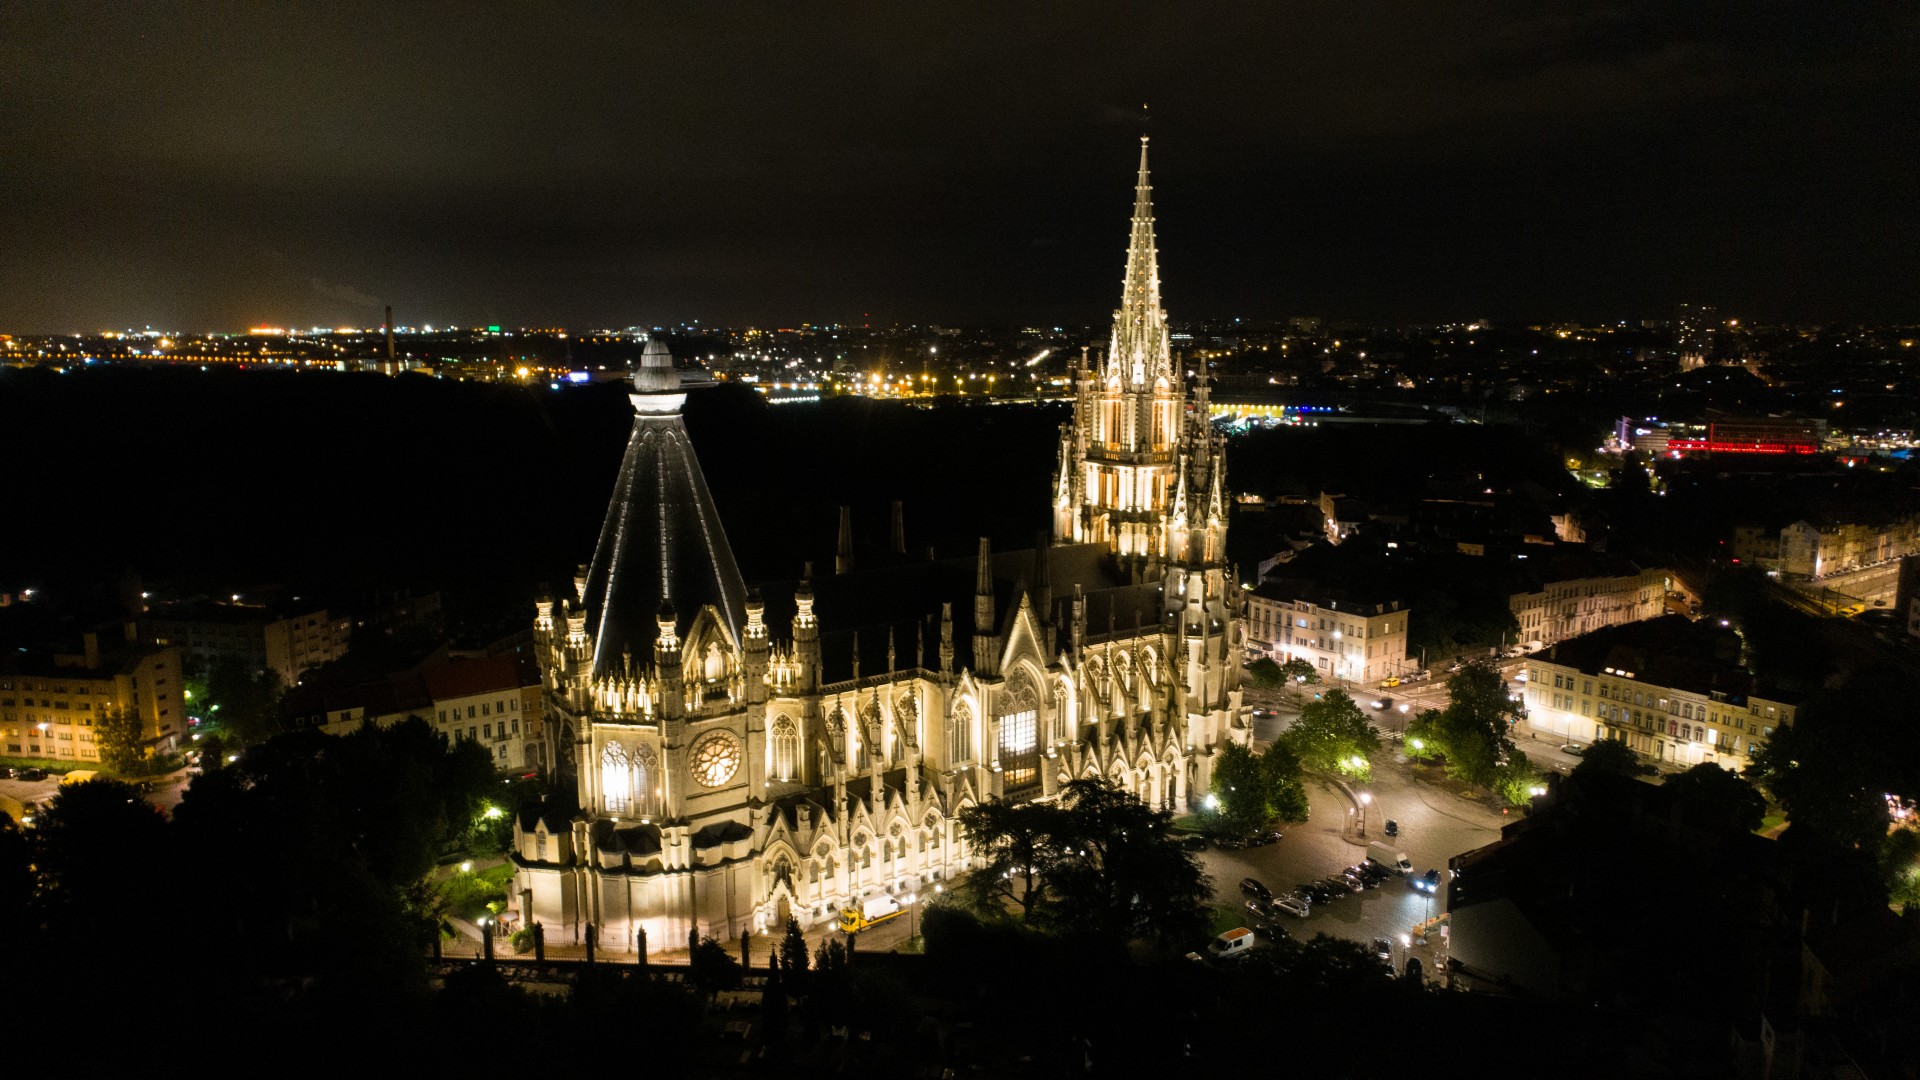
1366,800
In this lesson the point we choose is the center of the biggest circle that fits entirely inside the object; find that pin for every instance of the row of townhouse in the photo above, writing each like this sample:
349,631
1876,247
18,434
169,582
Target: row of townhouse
1344,639
1669,688
492,701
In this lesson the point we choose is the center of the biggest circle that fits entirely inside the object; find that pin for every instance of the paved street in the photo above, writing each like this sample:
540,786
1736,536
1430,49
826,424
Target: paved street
166,794
1434,824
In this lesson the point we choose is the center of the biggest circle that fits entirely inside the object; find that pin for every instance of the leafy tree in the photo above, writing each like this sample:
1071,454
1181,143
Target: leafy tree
310,853
793,958
1264,674
830,986
773,1006
1608,756
1333,735
1900,863
1255,790
95,840
1714,797
117,734
1472,731
1238,785
1286,795
1516,780
712,968
1422,741
1129,880
1099,861
243,702
1299,672
16,874
1022,844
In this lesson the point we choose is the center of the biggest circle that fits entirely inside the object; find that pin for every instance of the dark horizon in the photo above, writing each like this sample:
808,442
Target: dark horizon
196,168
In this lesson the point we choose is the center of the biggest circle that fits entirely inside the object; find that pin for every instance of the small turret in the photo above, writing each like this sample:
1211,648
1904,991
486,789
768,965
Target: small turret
946,639
843,553
754,657
666,661
656,373
806,632
985,646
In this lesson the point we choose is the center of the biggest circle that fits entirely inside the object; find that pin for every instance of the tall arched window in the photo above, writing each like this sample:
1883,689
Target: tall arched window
960,733
786,748
616,780
646,782
1020,736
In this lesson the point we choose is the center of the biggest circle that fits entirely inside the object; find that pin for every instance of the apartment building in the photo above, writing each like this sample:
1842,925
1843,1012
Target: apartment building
1358,641
50,703
1578,593
494,701
1671,689
262,638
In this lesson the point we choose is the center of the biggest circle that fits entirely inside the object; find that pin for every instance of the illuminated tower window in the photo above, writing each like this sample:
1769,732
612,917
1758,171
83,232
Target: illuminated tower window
1020,748
616,780
786,748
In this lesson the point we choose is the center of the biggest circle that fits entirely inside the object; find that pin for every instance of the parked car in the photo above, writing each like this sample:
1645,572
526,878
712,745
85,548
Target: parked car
1253,889
1294,904
1382,950
1229,843
1193,842
1360,878
1373,872
1272,931
1315,892
1389,682
31,774
1260,839
1235,942
1336,885
1256,910
1574,749
1428,882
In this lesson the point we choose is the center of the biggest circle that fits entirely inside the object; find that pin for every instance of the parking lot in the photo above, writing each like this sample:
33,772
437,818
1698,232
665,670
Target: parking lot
1434,826
165,793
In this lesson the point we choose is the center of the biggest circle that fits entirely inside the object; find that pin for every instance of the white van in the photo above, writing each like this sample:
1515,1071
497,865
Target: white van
1389,857
1234,942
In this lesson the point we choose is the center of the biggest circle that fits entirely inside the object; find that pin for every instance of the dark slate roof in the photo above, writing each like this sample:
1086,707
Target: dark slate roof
621,838
662,544
905,598
1671,651
715,835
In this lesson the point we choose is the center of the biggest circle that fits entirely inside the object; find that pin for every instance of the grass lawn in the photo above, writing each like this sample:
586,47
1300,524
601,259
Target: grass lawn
52,765
1190,823
1226,918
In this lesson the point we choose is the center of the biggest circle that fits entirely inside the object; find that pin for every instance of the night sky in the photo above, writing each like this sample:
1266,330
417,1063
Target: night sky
216,166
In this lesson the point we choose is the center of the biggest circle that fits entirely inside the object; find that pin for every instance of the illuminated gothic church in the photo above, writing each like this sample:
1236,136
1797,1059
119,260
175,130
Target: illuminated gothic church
743,756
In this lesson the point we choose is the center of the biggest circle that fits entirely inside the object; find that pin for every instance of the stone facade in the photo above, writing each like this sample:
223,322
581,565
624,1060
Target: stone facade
734,762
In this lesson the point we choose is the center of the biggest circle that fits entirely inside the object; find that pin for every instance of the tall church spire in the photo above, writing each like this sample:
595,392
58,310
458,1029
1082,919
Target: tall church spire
1139,352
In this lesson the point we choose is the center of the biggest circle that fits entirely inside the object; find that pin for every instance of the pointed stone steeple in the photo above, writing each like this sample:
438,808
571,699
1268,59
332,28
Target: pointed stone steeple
1140,349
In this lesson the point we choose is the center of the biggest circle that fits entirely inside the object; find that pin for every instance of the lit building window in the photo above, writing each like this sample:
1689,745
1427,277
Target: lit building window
1020,748
786,748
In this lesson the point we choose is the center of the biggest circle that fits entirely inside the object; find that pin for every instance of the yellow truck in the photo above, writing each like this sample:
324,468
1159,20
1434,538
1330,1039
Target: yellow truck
869,912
